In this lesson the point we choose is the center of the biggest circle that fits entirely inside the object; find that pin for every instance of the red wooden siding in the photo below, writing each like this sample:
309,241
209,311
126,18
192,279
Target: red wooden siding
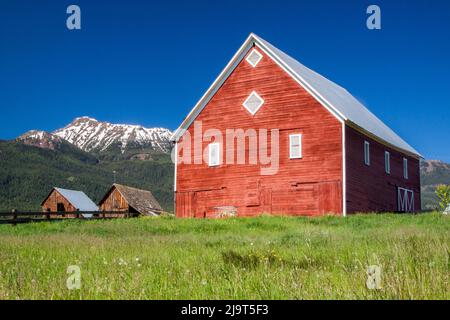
308,186
370,188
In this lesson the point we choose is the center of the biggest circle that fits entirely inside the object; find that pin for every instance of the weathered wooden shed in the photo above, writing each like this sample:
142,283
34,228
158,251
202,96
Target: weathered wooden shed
135,201
64,200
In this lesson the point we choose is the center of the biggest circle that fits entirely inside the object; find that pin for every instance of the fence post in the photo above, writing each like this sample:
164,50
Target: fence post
47,215
14,214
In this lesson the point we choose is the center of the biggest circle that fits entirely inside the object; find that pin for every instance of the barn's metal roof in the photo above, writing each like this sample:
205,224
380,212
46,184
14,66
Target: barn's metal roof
338,100
78,199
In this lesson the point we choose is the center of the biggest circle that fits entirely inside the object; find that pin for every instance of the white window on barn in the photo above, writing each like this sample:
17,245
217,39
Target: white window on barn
295,146
405,168
254,58
214,154
366,153
387,162
253,103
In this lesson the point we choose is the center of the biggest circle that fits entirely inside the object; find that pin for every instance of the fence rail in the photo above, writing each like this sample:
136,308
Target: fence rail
16,217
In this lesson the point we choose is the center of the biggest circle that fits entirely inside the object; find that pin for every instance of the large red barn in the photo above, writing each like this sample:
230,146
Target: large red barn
332,154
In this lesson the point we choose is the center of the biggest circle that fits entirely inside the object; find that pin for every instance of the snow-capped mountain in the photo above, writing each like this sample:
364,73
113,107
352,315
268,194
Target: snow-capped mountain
40,139
91,135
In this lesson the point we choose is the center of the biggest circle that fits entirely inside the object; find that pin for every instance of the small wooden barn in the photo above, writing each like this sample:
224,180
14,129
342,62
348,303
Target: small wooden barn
64,200
136,202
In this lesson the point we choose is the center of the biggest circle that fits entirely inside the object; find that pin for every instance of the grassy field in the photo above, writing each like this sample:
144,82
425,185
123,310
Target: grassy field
248,258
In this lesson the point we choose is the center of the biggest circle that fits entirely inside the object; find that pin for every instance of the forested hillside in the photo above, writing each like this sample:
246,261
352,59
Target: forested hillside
433,173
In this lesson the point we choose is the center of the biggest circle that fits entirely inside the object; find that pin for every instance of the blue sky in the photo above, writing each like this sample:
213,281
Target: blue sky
148,62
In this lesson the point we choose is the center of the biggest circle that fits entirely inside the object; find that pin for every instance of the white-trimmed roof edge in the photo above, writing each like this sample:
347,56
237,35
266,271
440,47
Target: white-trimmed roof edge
334,98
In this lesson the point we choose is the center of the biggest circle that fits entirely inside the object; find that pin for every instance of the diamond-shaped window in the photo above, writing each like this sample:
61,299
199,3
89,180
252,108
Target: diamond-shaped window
254,58
253,103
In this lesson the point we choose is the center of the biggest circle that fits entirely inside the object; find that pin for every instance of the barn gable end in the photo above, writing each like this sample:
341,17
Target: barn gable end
128,199
311,185
64,200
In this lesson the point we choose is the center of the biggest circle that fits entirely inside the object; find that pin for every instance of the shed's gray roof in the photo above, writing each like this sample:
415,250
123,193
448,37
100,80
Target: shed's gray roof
338,100
78,199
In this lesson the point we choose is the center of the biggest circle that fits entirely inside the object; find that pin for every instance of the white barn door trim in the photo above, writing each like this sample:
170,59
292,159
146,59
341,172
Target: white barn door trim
405,198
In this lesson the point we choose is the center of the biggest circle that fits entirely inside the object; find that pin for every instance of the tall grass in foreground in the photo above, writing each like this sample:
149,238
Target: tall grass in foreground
246,258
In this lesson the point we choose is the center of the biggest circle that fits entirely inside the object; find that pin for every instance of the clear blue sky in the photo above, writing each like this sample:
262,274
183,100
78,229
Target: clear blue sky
148,62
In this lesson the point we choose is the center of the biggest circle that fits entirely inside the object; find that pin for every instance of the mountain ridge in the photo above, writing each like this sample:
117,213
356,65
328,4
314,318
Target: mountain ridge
92,135
41,139
102,137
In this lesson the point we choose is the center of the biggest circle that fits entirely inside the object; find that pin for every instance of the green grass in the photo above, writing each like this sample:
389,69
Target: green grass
247,258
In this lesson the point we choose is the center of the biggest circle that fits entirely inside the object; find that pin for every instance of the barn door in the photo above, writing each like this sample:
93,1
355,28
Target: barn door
185,204
405,198
266,200
330,197
200,206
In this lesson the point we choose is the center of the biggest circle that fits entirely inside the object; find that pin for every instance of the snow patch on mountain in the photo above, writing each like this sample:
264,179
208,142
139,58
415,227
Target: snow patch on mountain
41,139
90,134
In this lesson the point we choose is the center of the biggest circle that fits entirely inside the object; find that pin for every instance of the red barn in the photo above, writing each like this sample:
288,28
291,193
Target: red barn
272,136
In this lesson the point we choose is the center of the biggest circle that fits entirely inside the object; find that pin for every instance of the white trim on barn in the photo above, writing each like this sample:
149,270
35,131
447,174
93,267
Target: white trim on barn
367,153
175,157
254,62
344,173
214,149
248,102
405,169
293,153
387,162
405,199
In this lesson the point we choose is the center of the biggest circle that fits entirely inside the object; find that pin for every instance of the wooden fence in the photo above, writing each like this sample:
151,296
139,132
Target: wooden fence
15,217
